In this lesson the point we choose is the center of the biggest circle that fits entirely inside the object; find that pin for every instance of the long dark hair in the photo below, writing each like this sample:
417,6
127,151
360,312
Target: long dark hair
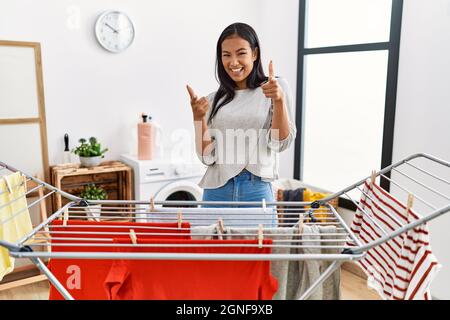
227,85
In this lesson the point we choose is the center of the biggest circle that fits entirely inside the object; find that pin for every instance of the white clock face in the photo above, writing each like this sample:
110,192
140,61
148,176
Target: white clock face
114,31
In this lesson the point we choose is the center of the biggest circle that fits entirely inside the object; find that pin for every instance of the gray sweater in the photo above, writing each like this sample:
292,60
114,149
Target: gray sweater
242,138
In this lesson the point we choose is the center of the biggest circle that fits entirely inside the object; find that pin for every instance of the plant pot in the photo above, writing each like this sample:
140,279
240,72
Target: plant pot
93,211
90,161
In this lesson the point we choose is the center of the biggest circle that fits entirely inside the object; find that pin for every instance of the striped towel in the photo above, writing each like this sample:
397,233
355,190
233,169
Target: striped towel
401,268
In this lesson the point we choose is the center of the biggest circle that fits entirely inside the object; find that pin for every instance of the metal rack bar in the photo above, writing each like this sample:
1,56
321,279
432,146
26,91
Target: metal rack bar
378,203
367,215
409,192
38,262
428,173
345,227
114,245
187,256
198,213
26,209
184,234
20,197
14,186
324,276
402,230
421,184
43,224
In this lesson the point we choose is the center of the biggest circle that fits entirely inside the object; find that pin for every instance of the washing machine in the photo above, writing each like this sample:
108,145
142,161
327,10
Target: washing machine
166,179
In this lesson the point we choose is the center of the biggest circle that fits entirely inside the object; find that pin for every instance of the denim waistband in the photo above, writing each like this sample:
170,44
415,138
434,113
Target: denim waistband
245,174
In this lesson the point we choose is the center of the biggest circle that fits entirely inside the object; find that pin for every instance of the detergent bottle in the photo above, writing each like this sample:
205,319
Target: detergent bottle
149,136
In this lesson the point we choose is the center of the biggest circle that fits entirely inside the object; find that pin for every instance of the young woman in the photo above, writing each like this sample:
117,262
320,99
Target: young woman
240,128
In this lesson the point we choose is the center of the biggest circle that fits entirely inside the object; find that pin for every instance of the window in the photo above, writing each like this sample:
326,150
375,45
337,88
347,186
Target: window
347,76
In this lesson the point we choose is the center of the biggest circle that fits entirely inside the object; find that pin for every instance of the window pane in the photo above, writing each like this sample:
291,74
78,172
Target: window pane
332,23
344,116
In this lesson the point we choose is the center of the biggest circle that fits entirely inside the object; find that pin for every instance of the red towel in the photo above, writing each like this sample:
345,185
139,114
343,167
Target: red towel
84,278
192,280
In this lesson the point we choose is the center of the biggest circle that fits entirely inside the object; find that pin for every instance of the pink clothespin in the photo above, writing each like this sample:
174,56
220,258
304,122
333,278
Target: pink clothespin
24,177
409,205
373,177
180,219
260,236
221,225
8,184
152,204
65,217
300,223
133,236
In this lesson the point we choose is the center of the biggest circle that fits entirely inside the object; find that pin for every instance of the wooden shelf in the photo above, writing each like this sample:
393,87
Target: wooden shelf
115,177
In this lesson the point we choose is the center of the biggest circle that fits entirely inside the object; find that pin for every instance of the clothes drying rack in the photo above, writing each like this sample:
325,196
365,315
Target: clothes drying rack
423,176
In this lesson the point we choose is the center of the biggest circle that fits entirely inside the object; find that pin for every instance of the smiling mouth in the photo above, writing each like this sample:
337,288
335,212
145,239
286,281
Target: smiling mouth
236,71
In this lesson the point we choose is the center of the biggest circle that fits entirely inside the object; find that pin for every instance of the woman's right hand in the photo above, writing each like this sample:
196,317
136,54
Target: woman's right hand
199,105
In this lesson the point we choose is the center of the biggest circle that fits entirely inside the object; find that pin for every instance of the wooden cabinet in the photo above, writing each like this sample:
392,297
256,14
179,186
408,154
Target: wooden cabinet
115,177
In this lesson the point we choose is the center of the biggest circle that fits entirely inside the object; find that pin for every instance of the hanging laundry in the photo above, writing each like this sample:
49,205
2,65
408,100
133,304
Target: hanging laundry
306,195
110,229
278,268
289,219
15,221
401,268
207,216
189,279
303,274
84,278
321,213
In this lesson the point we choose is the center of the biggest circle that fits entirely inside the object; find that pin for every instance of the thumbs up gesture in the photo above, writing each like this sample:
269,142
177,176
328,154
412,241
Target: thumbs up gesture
272,88
199,105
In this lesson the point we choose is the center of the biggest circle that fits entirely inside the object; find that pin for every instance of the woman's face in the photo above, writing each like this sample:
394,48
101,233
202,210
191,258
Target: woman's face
237,59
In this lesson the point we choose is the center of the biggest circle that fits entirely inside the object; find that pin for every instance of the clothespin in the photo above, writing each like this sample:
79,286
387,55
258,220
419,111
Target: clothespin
133,236
373,177
300,223
152,204
409,205
264,205
180,219
24,178
260,236
221,225
8,185
65,217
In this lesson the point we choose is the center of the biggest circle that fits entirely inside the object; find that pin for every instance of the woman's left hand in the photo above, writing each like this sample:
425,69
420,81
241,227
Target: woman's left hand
272,88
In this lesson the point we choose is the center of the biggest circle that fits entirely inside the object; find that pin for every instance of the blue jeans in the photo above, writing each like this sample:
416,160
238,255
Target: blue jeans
243,187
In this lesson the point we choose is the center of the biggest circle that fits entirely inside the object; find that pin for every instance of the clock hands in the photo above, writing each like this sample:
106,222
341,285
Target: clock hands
115,31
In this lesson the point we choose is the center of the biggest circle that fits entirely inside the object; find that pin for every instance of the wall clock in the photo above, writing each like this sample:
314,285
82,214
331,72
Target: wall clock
114,31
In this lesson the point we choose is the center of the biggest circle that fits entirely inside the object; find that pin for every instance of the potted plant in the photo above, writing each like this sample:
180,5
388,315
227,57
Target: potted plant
92,192
90,152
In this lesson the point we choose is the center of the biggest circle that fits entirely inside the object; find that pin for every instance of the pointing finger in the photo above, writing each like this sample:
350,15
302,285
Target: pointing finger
191,92
271,75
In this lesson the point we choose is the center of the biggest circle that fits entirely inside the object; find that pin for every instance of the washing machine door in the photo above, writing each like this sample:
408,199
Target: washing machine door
182,190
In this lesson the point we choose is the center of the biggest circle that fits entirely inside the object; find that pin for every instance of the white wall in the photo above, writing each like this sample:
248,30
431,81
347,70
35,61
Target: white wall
279,38
423,98
90,92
